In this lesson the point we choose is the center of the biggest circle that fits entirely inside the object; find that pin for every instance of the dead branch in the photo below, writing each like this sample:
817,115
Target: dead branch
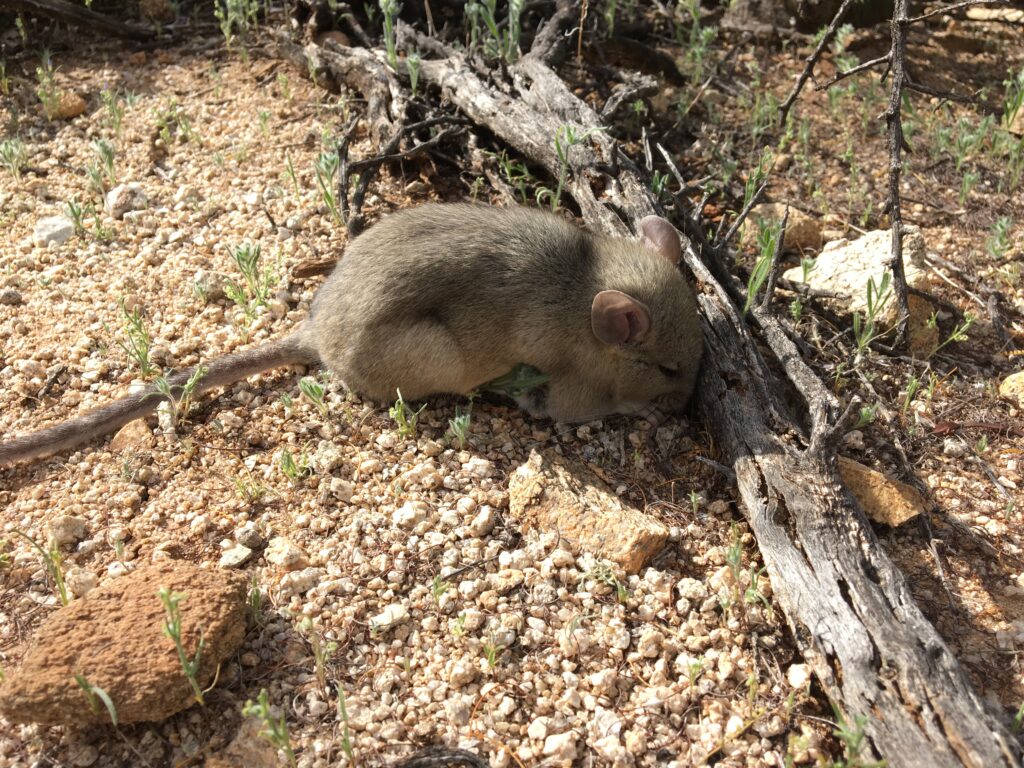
812,60
898,30
77,15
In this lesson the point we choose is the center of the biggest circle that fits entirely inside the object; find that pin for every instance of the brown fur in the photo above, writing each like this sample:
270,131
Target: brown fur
444,298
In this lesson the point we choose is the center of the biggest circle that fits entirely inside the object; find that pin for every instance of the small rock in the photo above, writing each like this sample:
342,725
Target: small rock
80,581
68,105
67,530
53,229
10,297
342,490
284,554
394,614
954,447
250,537
114,638
845,266
235,557
299,582
798,675
410,514
483,523
538,729
561,747
249,748
883,499
1012,387
132,436
546,494
124,198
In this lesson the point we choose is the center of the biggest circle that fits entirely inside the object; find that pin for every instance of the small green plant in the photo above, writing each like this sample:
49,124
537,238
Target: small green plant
5,81
284,86
959,332
659,184
95,695
458,427
264,118
865,328
459,629
114,104
768,234
13,156
1014,98
390,10
171,120
438,587
255,603
566,137
254,290
172,630
315,392
275,729
734,553
796,310
53,563
137,342
913,384
515,173
294,470
249,489
492,651
693,670
497,39
180,398
76,212
603,574
852,737
46,86
866,416
322,651
412,66
998,241
695,501
346,737
105,152
326,168
1018,719
967,183
289,170
405,417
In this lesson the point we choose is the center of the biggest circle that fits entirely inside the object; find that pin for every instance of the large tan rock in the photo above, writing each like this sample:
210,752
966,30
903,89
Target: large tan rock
1012,388
114,638
549,494
883,499
67,105
803,232
133,436
844,267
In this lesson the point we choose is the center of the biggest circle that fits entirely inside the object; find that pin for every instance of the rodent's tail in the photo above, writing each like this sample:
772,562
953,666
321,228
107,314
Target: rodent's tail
108,418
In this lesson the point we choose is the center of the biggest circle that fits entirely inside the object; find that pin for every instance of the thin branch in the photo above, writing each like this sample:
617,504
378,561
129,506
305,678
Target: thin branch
773,274
947,95
852,71
812,60
957,7
754,200
898,31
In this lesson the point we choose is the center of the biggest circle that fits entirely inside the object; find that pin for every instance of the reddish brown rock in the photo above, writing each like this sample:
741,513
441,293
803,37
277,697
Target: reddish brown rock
550,494
114,638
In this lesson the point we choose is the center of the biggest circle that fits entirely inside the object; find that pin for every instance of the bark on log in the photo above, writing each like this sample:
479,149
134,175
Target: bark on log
69,13
848,606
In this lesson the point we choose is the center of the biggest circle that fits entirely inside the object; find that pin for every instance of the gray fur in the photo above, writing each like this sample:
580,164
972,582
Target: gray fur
444,298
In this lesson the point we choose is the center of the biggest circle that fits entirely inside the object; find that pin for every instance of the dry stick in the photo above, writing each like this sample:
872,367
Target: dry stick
957,7
852,71
773,274
721,242
898,30
812,60
927,90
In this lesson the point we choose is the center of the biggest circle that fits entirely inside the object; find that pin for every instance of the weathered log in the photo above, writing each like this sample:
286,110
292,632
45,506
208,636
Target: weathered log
77,15
848,606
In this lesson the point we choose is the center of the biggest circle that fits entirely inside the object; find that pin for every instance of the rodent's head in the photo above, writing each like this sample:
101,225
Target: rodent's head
649,321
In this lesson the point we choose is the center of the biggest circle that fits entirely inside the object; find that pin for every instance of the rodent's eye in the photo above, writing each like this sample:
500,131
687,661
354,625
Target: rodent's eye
668,372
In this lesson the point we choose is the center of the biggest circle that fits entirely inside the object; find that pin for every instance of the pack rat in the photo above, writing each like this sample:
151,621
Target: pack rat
445,297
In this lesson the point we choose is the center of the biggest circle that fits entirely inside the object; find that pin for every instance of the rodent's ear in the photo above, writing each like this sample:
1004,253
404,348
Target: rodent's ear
618,318
661,237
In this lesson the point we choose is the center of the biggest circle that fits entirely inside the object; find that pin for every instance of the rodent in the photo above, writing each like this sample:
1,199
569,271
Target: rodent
445,297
